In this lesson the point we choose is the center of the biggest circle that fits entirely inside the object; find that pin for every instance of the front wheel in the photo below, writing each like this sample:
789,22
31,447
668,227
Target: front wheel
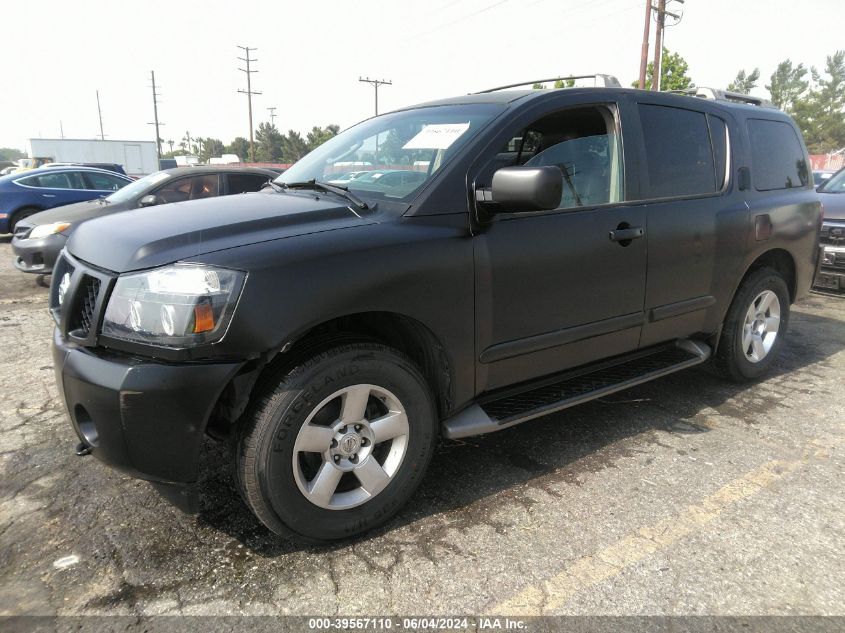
754,327
338,445
19,215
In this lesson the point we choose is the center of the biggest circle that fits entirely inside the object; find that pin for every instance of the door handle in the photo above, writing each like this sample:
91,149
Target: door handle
627,234
48,195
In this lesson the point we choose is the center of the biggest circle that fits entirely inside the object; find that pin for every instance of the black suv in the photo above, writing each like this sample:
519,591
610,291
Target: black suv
556,246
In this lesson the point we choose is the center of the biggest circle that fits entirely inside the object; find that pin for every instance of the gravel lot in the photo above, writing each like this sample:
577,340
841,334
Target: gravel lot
684,496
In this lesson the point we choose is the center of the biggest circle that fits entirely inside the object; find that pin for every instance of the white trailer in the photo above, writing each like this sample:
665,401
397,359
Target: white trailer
138,158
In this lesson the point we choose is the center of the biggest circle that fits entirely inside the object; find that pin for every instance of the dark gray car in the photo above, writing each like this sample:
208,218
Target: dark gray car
832,196
39,238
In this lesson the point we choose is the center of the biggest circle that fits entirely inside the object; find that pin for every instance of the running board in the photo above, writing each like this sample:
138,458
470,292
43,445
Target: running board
528,401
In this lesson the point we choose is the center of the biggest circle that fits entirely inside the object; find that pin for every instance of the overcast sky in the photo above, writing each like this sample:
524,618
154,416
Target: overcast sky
57,53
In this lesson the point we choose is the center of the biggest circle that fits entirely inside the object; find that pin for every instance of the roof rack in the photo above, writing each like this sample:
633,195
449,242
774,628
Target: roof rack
607,81
717,94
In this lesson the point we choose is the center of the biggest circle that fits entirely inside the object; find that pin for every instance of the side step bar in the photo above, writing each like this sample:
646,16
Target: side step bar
522,403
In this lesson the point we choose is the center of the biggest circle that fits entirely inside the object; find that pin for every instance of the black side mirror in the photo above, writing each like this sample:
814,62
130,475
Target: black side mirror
150,200
520,189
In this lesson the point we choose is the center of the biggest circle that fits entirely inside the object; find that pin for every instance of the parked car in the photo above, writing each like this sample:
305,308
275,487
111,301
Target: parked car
23,194
821,176
832,196
332,334
8,170
39,238
118,169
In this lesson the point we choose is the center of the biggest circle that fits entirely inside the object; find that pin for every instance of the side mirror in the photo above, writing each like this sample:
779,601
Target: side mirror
520,189
150,200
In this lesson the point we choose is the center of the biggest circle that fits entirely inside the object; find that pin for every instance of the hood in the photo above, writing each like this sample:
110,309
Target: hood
154,236
834,205
73,213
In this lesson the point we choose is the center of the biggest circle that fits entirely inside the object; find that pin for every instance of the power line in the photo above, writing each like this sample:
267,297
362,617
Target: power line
249,92
460,19
376,83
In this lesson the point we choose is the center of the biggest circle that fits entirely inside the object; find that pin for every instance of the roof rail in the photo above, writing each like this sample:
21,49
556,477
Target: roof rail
717,94
607,81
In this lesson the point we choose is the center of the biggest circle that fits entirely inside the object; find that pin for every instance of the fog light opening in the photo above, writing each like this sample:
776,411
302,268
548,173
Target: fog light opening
85,425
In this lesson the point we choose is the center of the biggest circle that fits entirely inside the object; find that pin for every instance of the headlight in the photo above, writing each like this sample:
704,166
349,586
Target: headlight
43,230
182,305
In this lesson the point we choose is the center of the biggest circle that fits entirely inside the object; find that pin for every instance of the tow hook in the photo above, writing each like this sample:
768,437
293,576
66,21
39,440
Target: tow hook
82,449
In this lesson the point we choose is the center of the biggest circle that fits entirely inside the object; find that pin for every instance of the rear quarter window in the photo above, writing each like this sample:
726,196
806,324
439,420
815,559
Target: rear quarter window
777,158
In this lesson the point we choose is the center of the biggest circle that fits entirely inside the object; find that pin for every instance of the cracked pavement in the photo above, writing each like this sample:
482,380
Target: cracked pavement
683,496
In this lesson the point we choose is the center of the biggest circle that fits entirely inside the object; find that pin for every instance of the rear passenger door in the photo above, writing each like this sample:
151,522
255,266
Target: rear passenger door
697,222
62,187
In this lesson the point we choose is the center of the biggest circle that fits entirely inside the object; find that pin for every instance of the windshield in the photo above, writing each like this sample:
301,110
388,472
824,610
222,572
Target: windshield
392,156
137,188
836,184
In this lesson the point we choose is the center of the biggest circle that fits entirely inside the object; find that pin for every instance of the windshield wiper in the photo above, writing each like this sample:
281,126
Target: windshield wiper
324,186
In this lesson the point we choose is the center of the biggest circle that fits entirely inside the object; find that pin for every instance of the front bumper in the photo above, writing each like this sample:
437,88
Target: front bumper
39,255
831,275
144,418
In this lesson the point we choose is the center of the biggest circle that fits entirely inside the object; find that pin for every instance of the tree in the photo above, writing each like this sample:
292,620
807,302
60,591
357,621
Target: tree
294,147
743,83
269,143
821,114
239,147
788,85
317,136
10,153
673,73
170,143
210,147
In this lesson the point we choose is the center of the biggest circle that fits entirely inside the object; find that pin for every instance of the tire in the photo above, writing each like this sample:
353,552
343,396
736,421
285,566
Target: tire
747,348
19,215
302,431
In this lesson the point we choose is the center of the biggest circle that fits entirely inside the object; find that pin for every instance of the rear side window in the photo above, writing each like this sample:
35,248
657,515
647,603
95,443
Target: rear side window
58,180
678,152
242,183
776,156
719,139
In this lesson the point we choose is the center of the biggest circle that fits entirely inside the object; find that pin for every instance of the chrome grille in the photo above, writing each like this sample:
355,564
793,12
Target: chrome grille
832,234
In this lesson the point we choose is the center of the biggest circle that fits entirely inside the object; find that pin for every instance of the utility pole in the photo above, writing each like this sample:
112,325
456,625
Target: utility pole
644,50
249,92
100,114
155,114
661,11
272,115
376,83
61,129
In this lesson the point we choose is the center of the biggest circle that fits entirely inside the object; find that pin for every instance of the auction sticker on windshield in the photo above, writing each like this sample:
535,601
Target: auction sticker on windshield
437,136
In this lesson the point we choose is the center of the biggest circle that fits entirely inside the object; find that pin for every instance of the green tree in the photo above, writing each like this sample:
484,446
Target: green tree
317,136
239,147
788,85
210,147
673,73
294,147
744,83
269,143
10,153
821,115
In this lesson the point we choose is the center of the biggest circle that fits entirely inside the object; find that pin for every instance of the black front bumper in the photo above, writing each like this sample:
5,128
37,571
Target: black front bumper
142,417
39,255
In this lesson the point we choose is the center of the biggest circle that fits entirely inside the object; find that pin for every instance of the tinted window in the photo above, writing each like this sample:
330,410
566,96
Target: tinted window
60,180
678,151
103,182
719,139
777,158
191,188
241,183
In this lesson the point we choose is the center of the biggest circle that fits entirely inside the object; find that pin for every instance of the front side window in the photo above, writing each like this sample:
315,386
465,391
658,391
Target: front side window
835,184
777,158
390,157
582,143
678,152
191,188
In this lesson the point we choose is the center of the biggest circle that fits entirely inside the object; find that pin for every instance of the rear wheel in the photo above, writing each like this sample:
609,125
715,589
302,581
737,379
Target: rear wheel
338,445
19,215
754,327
